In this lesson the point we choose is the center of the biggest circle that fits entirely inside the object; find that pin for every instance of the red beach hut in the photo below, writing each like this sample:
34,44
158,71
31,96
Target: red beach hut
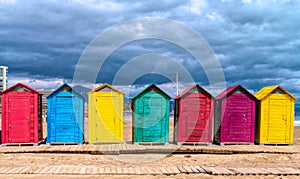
193,116
21,115
234,120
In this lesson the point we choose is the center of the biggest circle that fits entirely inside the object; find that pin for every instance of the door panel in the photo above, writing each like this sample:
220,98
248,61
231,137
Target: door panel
277,123
153,119
239,119
194,118
19,119
65,121
107,123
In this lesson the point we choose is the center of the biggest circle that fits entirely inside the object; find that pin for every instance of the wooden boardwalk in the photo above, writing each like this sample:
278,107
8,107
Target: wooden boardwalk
170,170
116,149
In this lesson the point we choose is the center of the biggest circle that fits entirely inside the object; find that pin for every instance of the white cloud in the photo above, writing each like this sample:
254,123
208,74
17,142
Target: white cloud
214,16
247,1
196,6
51,83
140,29
100,4
8,1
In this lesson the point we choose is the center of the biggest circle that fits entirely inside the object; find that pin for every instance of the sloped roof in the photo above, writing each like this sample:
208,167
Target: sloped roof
265,91
22,85
186,91
230,89
64,85
151,86
105,85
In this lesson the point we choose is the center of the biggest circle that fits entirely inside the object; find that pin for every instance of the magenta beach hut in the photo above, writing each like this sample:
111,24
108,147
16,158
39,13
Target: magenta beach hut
234,116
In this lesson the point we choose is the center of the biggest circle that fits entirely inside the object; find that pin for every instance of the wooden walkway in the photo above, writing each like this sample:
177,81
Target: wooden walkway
116,149
171,170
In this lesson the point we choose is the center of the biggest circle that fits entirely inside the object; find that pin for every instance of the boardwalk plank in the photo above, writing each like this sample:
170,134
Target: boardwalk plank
193,169
119,170
188,169
150,170
131,170
138,171
5,169
75,170
82,170
51,170
58,170
164,171
201,170
175,170
182,170
125,171
113,170
96,170
89,171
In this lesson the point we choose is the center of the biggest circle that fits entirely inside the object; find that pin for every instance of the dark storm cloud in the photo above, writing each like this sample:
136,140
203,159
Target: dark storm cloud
257,42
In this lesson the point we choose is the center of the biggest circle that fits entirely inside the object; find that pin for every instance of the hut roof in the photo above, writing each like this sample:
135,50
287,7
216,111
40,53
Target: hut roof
186,91
27,88
149,87
65,86
105,85
265,91
231,89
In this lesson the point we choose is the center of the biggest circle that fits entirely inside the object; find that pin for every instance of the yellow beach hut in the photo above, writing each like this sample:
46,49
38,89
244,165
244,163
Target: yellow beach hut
275,122
105,115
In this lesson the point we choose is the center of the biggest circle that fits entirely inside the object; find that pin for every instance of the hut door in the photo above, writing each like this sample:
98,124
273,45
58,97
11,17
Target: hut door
153,119
106,119
239,119
65,119
194,118
278,119
20,108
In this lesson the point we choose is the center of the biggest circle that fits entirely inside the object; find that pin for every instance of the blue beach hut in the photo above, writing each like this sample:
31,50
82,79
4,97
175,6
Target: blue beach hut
65,116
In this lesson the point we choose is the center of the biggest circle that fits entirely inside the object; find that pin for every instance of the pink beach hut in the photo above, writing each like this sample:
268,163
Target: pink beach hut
234,116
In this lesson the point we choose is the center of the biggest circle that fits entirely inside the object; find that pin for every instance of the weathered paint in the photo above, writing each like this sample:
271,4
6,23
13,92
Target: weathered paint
275,123
235,116
105,119
21,115
65,116
151,111
193,116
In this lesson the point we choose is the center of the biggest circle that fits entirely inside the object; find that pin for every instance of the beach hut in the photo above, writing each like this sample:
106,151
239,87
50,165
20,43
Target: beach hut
105,115
21,115
65,116
234,120
275,124
151,111
193,116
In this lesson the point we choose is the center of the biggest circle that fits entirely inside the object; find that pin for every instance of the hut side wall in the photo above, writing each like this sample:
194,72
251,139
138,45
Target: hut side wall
217,120
176,118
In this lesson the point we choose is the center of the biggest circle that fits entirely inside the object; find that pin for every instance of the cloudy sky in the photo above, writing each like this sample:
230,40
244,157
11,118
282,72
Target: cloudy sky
256,42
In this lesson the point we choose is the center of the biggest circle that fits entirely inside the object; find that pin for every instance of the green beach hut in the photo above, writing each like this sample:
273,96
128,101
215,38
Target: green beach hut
151,111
